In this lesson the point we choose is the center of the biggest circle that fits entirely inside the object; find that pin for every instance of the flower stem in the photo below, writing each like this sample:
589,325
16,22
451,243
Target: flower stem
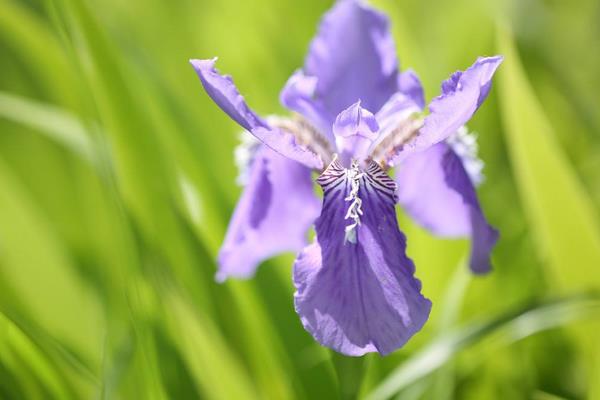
350,372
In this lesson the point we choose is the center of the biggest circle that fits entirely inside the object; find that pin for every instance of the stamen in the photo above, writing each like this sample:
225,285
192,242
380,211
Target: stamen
355,210
305,134
406,128
464,144
244,155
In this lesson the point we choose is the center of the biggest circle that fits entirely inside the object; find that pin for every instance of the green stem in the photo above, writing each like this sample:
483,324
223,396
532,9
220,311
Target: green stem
350,372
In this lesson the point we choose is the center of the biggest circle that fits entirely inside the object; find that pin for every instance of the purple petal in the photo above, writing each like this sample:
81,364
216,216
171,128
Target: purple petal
353,57
462,94
355,129
397,121
410,85
298,95
223,92
395,111
359,297
276,209
435,190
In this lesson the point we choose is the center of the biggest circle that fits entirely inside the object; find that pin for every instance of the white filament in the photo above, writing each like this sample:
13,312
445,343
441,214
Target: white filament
355,210
244,155
464,144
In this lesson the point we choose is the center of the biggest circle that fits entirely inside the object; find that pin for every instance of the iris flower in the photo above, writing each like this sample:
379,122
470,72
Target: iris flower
354,117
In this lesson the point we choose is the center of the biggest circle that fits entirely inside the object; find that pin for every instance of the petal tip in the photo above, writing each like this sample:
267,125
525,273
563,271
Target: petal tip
480,263
203,64
497,58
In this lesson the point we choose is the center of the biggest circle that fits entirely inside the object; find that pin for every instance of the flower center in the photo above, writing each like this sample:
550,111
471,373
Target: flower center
355,209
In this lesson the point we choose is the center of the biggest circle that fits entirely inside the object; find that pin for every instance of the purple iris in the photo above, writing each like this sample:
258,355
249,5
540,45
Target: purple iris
355,116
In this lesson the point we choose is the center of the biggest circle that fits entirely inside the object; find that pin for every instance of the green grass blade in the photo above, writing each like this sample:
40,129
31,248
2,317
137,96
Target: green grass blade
561,214
58,124
563,218
216,371
38,270
16,343
509,328
39,53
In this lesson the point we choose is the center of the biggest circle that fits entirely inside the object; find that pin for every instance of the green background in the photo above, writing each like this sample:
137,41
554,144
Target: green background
117,182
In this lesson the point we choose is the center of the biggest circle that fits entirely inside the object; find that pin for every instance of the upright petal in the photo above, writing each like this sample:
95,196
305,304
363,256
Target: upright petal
397,121
435,190
355,129
462,94
353,57
223,92
396,118
410,85
298,95
276,209
358,297
394,112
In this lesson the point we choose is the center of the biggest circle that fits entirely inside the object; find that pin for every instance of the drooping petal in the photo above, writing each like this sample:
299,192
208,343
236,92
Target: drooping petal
435,190
462,94
355,129
353,57
276,209
223,92
359,297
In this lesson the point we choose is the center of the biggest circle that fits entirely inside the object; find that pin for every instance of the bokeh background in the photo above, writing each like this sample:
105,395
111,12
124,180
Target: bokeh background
117,182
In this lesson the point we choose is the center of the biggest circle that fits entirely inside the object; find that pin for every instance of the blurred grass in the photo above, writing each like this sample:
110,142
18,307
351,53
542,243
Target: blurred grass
117,181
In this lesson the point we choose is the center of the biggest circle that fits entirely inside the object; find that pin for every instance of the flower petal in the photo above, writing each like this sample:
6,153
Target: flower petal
410,85
435,190
462,94
223,92
359,297
298,95
394,112
276,209
396,118
353,57
355,129
397,122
